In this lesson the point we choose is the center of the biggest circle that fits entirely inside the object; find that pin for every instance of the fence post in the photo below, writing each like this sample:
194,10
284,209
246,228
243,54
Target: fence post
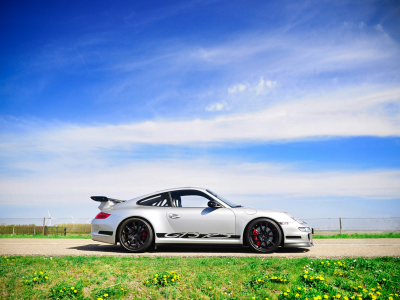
340,222
13,230
65,231
57,230
44,223
34,230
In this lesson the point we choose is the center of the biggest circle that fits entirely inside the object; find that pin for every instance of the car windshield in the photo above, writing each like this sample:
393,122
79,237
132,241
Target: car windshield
231,204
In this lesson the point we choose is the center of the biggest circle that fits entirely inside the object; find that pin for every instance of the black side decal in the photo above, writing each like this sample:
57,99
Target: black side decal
196,235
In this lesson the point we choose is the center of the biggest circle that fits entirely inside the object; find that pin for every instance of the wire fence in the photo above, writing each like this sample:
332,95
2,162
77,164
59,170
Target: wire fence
82,225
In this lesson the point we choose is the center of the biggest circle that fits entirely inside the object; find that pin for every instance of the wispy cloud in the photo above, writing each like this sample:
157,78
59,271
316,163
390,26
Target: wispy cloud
137,178
342,114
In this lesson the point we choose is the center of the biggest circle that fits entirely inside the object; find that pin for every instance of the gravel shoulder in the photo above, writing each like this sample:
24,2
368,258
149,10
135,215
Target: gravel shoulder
332,248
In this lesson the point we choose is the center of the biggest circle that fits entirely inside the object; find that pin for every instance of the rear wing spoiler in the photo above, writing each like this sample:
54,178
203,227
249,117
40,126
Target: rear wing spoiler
105,202
105,199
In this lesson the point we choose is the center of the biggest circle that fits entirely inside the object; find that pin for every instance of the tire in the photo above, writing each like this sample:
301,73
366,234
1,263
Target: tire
135,235
263,235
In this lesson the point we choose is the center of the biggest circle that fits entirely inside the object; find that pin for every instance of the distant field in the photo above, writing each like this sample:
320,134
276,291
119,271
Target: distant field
85,277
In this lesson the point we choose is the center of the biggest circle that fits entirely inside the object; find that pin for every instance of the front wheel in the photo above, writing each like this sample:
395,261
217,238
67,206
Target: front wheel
263,235
135,235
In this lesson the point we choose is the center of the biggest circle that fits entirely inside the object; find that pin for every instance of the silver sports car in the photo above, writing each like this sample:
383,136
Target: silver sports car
194,216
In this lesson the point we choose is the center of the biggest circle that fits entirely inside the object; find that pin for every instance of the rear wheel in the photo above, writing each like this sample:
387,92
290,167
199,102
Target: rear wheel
135,235
263,235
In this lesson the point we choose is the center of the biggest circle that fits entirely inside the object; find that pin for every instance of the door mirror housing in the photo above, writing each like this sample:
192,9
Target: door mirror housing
213,204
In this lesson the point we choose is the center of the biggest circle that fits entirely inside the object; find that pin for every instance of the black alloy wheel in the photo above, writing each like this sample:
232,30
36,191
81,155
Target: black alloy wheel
135,235
264,235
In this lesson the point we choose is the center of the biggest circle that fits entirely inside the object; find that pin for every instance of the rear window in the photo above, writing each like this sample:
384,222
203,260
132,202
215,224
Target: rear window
155,200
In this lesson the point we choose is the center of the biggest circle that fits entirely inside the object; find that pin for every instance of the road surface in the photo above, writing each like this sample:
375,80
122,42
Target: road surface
330,248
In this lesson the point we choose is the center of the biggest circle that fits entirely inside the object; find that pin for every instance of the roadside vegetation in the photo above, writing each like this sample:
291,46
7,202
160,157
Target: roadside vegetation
98,278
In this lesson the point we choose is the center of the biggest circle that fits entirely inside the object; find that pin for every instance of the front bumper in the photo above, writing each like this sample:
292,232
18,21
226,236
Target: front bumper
294,238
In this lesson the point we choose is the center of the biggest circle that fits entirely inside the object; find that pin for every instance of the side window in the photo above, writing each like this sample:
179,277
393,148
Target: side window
156,200
190,198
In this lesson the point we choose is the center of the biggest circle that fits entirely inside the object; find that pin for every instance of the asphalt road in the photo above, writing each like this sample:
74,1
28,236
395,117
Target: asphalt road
332,248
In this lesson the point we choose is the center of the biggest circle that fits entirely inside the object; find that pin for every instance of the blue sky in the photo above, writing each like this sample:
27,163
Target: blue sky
291,105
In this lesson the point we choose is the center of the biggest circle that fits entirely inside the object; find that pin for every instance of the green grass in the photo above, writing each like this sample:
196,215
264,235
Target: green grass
38,236
85,277
359,236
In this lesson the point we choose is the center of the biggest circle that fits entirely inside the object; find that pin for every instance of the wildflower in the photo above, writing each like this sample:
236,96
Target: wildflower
326,296
306,272
75,291
285,293
390,298
41,273
99,298
122,289
338,296
45,277
299,288
147,281
210,287
346,298
384,279
105,295
72,288
288,291
297,295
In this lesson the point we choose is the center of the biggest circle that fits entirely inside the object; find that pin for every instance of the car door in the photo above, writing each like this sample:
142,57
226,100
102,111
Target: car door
190,214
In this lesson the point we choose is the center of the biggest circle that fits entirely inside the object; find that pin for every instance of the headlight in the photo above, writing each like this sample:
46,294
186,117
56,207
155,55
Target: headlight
305,229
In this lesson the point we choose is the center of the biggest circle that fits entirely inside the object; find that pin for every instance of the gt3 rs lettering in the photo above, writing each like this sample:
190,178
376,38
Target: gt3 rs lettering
195,235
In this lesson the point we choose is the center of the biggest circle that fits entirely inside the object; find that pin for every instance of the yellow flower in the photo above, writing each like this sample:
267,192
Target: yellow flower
299,288
346,298
46,277
210,287
155,279
338,296
253,297
259,279
122,289
172,280
147,281
384,279
326,296
41,272
105,295
322,262
75,291
297,295
285,293
99,298
306,272
390,298
305,276
288,291
72,288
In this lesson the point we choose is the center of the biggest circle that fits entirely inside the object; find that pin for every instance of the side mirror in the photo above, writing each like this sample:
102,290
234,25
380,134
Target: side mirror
213,204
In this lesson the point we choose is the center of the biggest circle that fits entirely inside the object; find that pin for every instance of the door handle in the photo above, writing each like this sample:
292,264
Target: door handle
174,216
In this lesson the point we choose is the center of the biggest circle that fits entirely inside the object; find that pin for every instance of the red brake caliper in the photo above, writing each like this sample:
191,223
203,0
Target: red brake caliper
144,235
255,237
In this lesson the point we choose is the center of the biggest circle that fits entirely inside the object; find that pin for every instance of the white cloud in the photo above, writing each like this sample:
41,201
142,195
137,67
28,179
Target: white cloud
138,178
264,85
237,88
216,106
342,114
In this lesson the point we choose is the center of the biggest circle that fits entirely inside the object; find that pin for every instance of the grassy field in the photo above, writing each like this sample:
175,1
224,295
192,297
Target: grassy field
199,278
336,236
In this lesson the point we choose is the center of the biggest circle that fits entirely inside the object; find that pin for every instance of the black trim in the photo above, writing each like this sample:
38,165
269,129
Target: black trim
106,232
196,235
312,230
293,237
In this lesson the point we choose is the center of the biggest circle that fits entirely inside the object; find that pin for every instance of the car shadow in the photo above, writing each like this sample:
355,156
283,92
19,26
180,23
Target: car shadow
194,249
